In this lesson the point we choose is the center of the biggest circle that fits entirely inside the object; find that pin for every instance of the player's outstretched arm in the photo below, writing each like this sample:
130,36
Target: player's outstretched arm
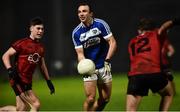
45,73
168,24
165,26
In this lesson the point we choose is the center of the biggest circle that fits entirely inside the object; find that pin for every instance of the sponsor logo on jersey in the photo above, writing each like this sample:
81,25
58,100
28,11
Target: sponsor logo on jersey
34,58
91,33
91,42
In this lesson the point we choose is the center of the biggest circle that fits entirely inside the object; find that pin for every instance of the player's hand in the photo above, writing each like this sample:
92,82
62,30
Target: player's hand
107,65
51,86
12,72
176,21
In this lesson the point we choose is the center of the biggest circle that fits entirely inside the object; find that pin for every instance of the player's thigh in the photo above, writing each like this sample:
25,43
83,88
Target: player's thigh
137,85
19,100
105,89
21,103
30,98
157,82
90,88
167,90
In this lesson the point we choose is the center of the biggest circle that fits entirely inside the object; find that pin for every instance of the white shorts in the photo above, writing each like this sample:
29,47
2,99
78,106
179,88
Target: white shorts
100,75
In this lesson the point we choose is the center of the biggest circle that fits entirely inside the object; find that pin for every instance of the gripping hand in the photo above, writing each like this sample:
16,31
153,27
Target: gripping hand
51,86
107,65
12,73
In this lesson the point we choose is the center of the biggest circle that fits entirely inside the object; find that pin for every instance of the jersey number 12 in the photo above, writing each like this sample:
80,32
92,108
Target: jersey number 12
142,46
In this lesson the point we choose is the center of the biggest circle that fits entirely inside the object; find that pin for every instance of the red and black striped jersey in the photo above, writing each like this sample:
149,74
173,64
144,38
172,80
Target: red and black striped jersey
145,53
29,53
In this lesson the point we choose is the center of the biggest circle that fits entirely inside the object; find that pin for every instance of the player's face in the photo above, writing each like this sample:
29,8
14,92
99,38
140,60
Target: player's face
84,14
37,31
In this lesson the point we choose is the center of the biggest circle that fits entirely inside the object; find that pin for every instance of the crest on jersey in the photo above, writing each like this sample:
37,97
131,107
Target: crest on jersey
34,58
94,31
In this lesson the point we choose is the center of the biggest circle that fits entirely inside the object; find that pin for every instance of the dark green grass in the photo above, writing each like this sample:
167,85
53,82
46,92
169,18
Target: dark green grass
70,94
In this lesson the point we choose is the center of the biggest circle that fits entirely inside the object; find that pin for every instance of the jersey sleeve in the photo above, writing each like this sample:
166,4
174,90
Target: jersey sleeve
17,45
77,43
105,29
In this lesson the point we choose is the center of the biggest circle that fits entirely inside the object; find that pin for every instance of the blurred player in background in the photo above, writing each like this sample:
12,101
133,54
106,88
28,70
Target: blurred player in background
145,65
167,53
93,39
29,53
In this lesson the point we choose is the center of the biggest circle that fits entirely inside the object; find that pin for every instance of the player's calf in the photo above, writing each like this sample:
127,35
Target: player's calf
100,104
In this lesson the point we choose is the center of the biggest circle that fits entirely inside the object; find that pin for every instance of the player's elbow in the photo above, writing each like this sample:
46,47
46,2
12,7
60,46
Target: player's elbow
112,42
4,57
115,45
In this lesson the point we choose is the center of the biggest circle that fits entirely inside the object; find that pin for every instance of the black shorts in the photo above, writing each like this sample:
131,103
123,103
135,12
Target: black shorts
19,86
140,84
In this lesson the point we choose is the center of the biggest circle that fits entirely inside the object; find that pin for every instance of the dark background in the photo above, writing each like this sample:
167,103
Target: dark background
60,17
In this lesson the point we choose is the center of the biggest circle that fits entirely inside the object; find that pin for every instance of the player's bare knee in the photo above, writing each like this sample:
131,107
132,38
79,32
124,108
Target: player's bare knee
36,105
91,99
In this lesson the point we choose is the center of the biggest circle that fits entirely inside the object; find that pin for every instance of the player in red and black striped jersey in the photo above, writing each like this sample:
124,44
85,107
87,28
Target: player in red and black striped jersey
145,65
29,53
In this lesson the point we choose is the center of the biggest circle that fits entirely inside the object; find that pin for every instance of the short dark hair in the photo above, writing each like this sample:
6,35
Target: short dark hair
36,21
86,3
146,24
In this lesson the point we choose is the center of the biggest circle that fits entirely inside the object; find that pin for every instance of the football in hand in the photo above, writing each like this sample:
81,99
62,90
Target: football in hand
86,67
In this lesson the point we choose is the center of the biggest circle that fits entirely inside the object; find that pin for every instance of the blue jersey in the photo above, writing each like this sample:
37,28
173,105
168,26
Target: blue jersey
92,40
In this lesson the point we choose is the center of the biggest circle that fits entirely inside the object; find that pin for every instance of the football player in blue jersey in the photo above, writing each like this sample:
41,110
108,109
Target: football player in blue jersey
94,40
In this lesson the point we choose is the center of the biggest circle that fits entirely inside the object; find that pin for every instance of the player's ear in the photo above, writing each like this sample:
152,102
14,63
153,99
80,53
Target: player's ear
31,28
139,31
91,13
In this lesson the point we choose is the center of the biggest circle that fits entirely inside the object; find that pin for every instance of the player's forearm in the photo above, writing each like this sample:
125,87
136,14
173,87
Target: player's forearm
164,27
45,73
6,61
80,57
80,54
112,48
44,69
